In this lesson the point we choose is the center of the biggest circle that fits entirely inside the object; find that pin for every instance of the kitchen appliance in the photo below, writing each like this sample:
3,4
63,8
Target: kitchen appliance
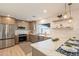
22,37
7,34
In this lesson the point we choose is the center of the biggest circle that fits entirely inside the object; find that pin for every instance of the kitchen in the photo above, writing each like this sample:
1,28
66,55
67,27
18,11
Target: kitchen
14,32
45,35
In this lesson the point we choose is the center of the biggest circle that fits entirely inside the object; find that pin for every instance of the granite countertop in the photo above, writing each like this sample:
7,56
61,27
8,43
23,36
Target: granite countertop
48,47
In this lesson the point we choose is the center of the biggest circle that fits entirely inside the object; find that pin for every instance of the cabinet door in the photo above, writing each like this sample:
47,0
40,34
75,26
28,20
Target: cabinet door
40,38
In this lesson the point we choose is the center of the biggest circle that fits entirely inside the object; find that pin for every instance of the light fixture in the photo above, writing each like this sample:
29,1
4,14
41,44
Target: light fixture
65,13
70,18
8,15
45,11
42,21
65,16
70,21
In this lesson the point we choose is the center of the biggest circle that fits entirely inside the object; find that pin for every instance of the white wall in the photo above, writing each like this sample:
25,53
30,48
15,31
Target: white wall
64,33
23,24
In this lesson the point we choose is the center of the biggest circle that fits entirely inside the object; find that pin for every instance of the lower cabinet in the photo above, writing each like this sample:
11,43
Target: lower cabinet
36,52
35,38
13,42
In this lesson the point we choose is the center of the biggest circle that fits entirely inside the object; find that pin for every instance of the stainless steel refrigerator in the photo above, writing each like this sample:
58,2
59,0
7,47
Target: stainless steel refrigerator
7,34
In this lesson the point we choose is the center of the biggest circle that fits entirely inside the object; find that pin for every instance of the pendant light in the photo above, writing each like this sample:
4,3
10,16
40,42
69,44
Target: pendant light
65,13
70,18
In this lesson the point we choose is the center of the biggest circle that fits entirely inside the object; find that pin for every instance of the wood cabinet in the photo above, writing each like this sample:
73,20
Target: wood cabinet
21,23
16,39
0,19
36,38
7,20
36,52
32,27
33,38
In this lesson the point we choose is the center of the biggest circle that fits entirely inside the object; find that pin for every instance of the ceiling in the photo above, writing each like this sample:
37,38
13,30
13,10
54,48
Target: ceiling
32,11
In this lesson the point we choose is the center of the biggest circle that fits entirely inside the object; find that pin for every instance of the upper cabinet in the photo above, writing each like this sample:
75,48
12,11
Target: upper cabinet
22,24
0,19
32,26
7,20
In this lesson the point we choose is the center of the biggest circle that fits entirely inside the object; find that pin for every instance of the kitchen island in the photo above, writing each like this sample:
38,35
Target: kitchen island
47,48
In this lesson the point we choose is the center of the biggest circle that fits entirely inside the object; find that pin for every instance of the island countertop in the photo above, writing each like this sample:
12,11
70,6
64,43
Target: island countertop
48,47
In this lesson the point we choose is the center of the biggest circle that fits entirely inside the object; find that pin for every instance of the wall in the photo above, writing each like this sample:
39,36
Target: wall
38,23
64,33
23,24
10,20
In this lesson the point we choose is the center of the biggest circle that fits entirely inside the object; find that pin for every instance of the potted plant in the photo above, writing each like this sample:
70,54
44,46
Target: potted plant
74,37
55,39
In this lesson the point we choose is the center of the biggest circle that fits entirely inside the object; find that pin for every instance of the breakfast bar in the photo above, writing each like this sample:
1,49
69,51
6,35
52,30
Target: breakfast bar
46,48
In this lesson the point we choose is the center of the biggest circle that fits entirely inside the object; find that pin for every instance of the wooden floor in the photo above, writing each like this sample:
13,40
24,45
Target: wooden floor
13,51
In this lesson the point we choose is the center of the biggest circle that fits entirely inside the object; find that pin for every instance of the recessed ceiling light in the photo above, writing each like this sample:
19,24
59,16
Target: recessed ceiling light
70,21
40,18
45,11
65,16
8,15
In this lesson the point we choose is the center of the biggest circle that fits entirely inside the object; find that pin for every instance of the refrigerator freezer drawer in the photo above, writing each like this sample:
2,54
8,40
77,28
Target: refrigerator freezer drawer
7,43
13,41
10,42
0,44
3,44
